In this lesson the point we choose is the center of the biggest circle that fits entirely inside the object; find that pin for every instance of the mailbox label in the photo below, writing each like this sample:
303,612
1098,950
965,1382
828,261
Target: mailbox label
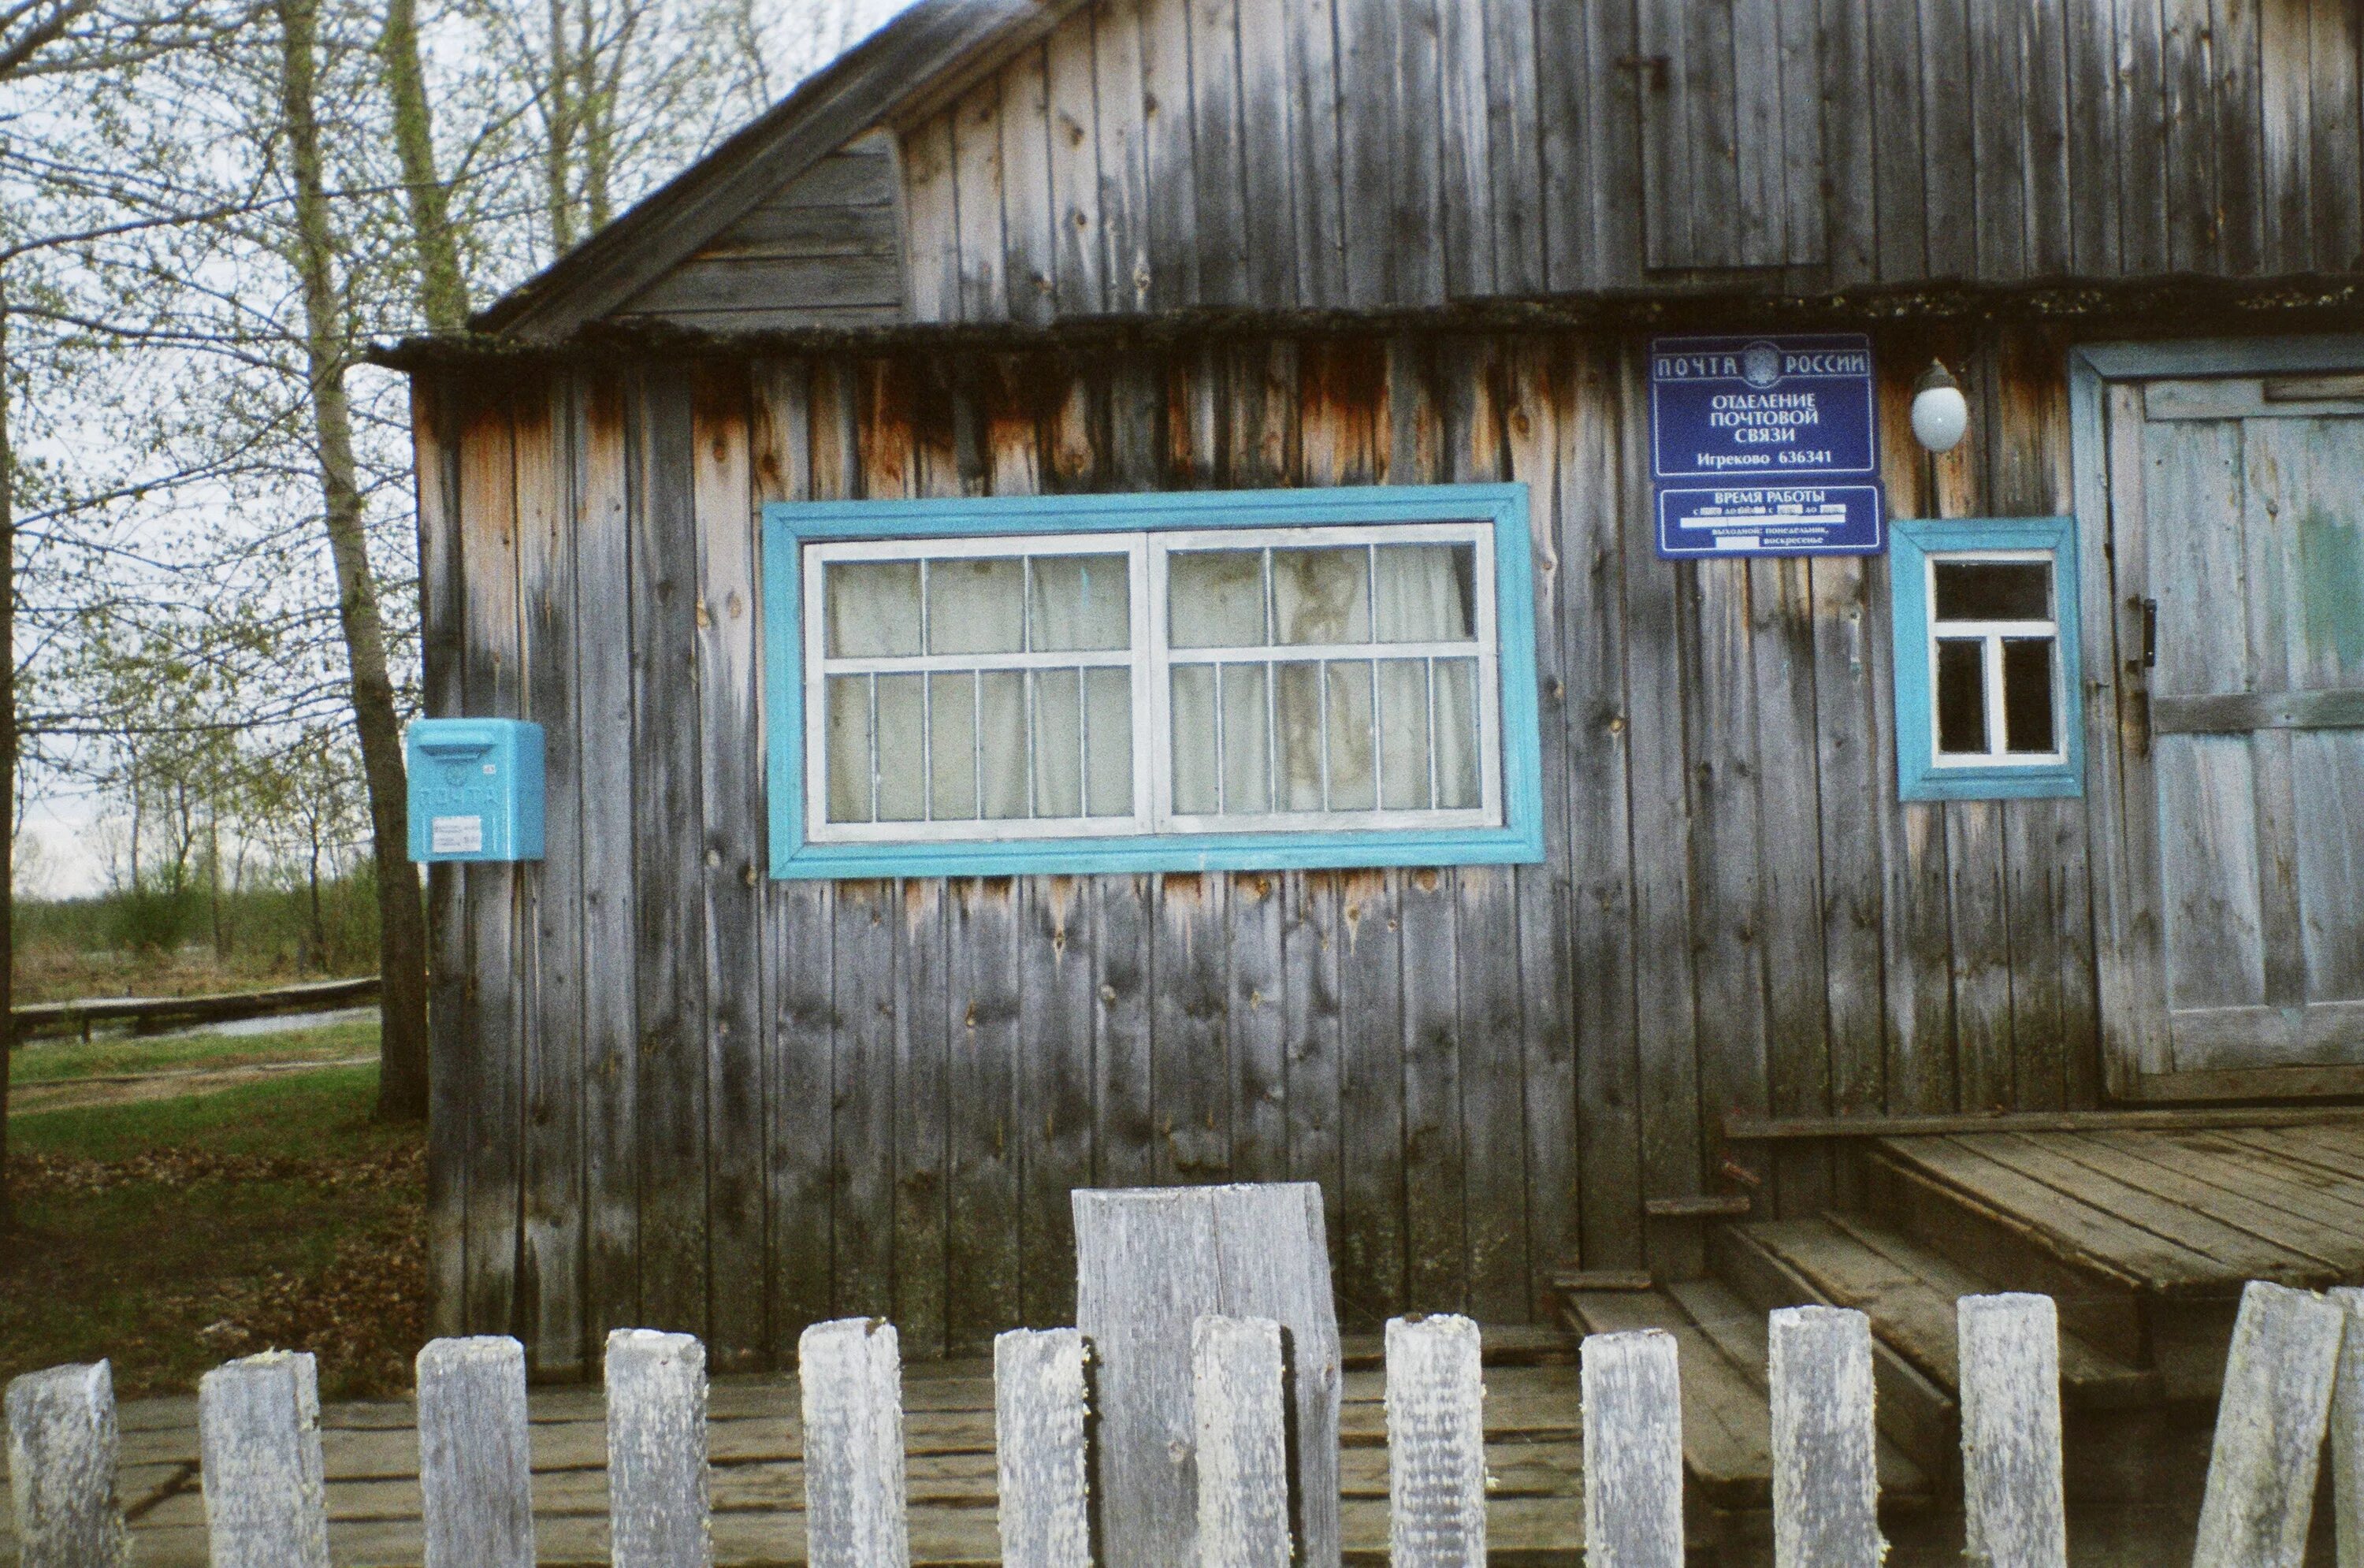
456,835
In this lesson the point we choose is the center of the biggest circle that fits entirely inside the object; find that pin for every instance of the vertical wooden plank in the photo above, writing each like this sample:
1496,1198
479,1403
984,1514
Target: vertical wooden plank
657,1496
1436,1444
2269,1429
1533,439
732,803
2347,1420
1273,1259
1366,65
1054,1089
1123,132
981,939
1078,251
1590,510
438,428
551,1254
2238,112
1191,1080
1982,957
259,1448
62,1456
861,1095
1415,254
1515,141
1949,153
494,1056
1170,216
2090,70
1899,184
850,1375
1758,153
1851,763
1825,1486
1789,885
1030,213
1579,100
1310,50
1274,198
2000,67
603,653
2142,189
797,415
2336,119
2012,1492
977,186
2051,218
1145,1269
922,1069
1807,187
932,235
1239,1414
668,873
1633,1449
1466,151
1313,1050
2286,148
1217,154
1042,1457
1850,218
475,1463
1662,63
1666,1024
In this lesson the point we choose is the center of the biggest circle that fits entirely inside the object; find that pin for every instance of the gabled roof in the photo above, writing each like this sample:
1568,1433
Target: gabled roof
920,56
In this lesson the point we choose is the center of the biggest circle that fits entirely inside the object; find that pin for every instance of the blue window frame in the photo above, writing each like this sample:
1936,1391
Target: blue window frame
1988,679
1206,681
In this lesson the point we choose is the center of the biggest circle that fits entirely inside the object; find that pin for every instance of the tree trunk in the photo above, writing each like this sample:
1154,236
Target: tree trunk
402,929
8,763
558,155
442,287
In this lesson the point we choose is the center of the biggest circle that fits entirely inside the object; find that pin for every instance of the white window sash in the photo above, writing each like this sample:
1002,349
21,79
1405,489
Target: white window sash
1152,663
1992,635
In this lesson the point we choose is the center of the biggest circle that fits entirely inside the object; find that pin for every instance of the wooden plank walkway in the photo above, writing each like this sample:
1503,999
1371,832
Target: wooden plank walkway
1534,1456
2189,1212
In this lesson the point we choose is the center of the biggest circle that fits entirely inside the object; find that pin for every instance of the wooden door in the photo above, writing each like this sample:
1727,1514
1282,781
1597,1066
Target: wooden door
2238,517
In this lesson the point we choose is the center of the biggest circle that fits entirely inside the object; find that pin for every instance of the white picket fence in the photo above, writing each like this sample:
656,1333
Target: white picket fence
2292,1374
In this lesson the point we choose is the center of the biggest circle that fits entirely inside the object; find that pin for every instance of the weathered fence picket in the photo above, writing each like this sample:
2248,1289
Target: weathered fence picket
2014,1513
1825,1449
1238,1402
259,1450
2295,1371
61,1457
475,1463
2348,1431
1633,1450
2269,1429
1042,1403
850,1374
657,1497
1436,1444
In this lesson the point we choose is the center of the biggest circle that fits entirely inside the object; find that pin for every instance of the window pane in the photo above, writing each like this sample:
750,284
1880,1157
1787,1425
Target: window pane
1195,757
1001,740
1058,743
1403,734
1426,593
849,748
1081,602
1215,598
2027,695
1108,725
976,607
874,608
1456,735
952,746
902,783
1994,590
1962,696
1247,751
1353,787
1296,721
1322,595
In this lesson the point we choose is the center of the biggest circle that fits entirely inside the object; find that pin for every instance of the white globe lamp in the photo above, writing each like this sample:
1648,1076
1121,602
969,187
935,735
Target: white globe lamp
1940,412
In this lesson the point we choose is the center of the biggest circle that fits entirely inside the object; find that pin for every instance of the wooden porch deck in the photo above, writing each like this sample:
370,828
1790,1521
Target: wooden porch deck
1534,1514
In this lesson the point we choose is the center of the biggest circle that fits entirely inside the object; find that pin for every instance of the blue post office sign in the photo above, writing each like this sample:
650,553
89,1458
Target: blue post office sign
1766,446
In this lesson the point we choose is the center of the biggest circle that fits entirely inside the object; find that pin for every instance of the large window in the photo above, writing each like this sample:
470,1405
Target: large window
1271,678
1986,657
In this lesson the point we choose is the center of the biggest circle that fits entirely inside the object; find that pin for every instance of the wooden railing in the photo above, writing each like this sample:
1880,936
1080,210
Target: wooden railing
2288,1380
150,1015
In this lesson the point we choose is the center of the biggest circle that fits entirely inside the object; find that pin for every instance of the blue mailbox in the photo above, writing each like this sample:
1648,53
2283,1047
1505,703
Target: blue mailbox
475,789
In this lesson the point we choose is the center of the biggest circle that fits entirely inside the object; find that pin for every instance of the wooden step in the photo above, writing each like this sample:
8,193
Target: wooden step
1720,1345
1910,1293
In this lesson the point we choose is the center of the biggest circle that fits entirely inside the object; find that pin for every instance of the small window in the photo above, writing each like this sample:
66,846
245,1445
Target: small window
1035,684
1985,616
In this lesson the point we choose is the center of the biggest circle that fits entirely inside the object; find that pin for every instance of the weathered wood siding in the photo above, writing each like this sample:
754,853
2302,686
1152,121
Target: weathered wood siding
672,1093
1158,154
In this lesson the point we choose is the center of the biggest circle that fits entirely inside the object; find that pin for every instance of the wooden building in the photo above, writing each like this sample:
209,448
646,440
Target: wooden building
741,1052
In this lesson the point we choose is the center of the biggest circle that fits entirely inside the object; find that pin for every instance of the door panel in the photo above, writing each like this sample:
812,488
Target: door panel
2251,772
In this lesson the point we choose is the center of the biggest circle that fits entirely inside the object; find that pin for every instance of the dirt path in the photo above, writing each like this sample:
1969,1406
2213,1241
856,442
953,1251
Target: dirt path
119,1089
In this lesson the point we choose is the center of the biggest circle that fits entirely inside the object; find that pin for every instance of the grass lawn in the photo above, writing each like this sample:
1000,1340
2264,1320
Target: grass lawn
170,1235
54,1061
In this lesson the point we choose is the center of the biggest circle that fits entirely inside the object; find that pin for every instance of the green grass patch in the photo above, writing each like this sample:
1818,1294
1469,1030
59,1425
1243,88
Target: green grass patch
62,1061
171,1235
